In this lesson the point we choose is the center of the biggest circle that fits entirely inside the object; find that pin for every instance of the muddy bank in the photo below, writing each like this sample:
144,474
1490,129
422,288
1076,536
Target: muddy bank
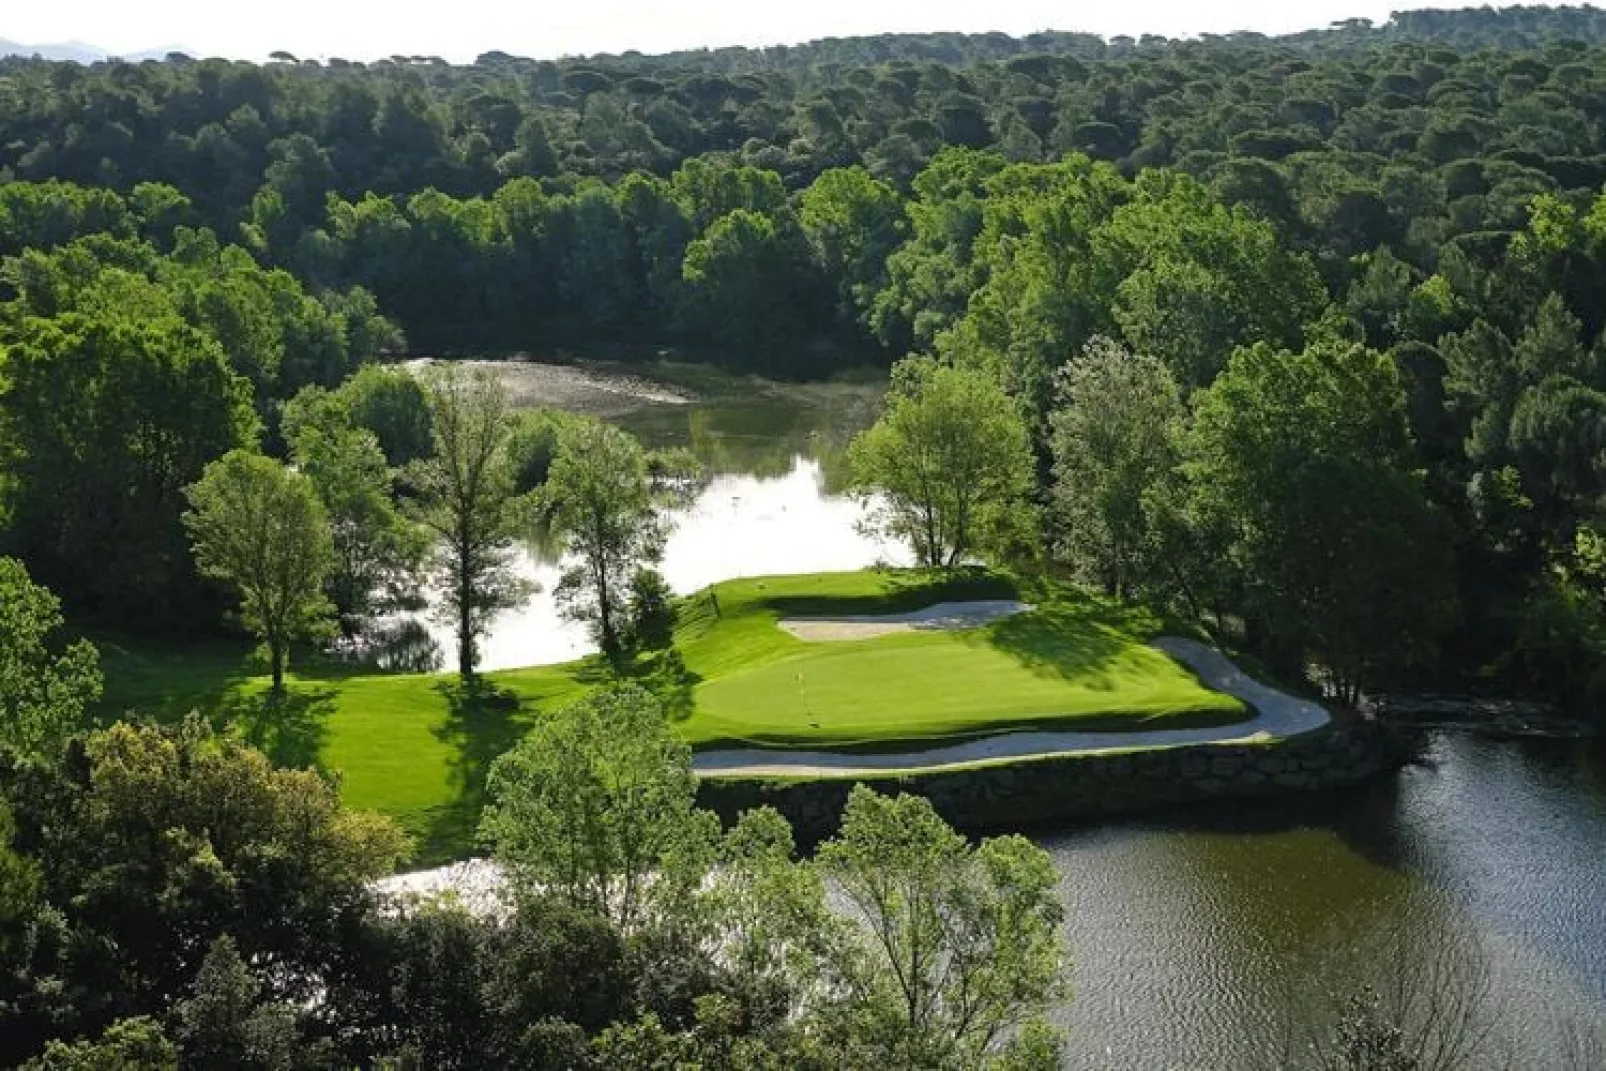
579,388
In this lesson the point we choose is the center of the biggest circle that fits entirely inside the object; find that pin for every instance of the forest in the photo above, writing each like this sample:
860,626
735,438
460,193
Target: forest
1426,190
1301,339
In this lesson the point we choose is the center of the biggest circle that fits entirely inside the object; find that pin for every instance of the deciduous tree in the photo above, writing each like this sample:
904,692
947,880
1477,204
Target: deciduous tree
259,527
951,458
378,554
601,504
45,690
1112,443
959,954
467,500
597,806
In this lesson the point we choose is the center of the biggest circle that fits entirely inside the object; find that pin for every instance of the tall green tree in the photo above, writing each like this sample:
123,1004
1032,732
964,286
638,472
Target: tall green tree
45,689
394,406
104,420
1112,441
951,459
1304,460
466,498
378,554
601,505
597,806
958,955
852,222
260,528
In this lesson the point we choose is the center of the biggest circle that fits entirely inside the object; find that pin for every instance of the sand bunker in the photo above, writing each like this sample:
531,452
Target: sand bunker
949,616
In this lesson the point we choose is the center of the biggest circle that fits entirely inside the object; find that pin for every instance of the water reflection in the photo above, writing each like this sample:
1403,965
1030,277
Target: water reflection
403,645
1224,937
774,504
739,525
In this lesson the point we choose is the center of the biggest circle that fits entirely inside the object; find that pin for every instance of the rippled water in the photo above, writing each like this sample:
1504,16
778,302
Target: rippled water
1224,937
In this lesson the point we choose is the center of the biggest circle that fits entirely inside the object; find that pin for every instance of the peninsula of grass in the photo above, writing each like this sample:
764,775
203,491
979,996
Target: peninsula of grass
417,746
1073,662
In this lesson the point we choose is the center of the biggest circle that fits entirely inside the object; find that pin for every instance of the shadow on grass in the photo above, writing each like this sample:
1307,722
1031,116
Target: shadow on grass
1073,636
665,675
165,678
482,721
906,590
290,727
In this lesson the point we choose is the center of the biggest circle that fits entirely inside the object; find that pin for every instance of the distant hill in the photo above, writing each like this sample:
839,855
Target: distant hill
77,52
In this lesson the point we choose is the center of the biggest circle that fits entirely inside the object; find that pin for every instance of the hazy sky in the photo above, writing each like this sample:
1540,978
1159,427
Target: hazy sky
461,29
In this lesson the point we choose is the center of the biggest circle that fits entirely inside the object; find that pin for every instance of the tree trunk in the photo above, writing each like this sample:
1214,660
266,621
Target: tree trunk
276,664
465,636
610,639
465,612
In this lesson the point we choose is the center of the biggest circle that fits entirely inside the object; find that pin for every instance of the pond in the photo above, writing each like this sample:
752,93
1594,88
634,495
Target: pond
1224,937
775,455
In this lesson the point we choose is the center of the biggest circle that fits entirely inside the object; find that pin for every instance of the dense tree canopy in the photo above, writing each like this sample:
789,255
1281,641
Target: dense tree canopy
228,234
261,529
951,461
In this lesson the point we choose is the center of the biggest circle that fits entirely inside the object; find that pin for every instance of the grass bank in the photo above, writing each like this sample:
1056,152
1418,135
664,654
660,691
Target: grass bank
417,747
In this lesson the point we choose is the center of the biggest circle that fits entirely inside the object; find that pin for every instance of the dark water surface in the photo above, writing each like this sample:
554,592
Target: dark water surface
1221,937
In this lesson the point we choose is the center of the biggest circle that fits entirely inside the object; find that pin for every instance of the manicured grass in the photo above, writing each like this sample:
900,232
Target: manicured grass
1073,662
414,747
417,747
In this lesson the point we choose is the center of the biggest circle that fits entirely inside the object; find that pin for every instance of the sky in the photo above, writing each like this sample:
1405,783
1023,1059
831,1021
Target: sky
459,30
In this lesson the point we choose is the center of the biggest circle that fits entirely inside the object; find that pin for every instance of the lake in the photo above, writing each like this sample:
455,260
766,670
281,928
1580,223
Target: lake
775,457
1221,936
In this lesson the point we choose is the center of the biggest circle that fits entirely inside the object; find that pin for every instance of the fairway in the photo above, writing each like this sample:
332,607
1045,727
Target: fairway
417,746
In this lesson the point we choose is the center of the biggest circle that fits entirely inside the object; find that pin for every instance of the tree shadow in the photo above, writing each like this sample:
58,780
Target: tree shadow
905,590
482,721
665,674
289,727
1060,643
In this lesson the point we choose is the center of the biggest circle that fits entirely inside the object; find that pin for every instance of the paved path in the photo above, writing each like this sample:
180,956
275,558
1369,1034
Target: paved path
1277,715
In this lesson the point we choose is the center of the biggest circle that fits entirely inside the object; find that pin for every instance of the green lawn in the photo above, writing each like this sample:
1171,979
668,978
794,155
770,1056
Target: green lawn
417,747
1074,661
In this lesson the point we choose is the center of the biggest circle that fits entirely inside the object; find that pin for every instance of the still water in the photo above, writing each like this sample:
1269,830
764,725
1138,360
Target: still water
774,504
1472,886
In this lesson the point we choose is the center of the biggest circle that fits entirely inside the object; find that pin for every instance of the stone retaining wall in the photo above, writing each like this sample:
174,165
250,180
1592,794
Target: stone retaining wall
1019,794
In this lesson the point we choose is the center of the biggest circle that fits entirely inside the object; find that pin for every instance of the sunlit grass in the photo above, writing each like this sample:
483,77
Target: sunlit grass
417,746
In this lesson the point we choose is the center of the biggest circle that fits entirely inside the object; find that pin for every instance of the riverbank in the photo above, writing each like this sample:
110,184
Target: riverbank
1029,792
